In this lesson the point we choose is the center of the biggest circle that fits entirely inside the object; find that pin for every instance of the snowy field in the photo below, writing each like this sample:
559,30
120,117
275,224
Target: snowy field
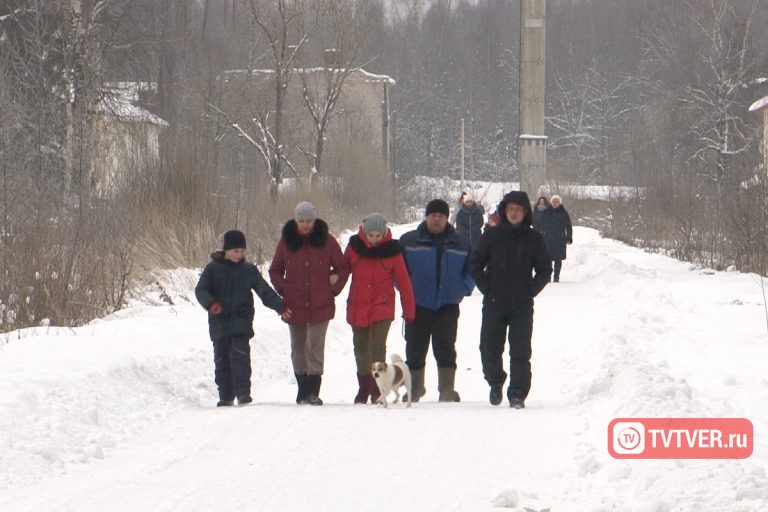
120,415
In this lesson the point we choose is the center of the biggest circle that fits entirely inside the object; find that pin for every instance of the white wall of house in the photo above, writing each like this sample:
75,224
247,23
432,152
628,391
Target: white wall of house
123,148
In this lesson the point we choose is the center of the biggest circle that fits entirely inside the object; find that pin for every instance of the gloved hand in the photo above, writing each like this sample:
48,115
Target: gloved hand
215,307
570,241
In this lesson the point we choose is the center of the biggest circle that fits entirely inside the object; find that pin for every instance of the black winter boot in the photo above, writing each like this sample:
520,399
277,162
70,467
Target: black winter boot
496,394
301,382
244,399
313,389
363,389
516,398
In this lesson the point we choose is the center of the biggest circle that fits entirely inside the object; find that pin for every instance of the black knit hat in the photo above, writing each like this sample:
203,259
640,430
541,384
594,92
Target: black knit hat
438,206
234,239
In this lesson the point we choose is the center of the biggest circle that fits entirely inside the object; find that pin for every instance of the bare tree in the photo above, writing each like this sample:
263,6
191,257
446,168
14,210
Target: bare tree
715,103
588,113
348,24
286,25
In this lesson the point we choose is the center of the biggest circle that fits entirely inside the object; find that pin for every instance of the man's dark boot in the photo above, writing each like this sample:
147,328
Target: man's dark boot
417,386
301,382
446,377
373,387
313,389
496,394
516,400
363,391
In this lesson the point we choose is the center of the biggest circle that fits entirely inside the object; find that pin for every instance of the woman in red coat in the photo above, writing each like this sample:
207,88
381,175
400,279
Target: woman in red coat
309,271
377,264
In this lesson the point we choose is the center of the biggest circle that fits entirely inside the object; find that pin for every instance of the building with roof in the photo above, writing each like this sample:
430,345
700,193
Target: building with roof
361,113
127,136
761,107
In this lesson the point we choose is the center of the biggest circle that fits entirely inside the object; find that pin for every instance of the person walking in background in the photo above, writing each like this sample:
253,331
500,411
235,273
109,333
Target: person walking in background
438,264
558,232
376,263
455,210
493,220
469,221
224,290
309,271
502,268
542,205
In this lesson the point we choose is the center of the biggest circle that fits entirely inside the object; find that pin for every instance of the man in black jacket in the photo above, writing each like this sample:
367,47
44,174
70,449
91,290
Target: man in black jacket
502,268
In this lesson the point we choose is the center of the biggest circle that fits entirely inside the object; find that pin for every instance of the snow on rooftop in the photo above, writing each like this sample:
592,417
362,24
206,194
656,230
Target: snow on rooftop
119,101
367,76
759,104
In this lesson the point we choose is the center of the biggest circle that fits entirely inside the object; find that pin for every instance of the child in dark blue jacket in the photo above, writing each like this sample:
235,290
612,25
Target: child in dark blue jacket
224,290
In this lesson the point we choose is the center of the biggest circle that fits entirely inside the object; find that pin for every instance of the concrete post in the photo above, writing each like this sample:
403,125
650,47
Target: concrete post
532,141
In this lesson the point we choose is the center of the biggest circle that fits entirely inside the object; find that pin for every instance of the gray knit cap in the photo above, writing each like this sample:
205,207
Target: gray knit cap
375,222
305,210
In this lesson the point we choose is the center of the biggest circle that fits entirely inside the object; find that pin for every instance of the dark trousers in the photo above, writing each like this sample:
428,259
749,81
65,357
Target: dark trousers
232,359
518,324
558,265
438,325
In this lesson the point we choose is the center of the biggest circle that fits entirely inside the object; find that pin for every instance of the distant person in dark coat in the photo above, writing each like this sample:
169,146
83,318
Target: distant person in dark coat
510,267
309,271
469,221
542,205
224,290
558,232
438,263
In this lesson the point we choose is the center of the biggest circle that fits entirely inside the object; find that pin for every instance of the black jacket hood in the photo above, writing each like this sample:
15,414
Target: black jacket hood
517,197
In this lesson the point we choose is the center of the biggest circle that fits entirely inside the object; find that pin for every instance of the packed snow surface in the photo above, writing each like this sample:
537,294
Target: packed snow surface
120,414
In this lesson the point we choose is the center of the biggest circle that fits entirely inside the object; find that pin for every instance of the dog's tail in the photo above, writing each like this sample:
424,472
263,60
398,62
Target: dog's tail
395,358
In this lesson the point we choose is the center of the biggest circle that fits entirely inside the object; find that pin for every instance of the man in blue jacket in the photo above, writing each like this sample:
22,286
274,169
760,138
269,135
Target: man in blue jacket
438,263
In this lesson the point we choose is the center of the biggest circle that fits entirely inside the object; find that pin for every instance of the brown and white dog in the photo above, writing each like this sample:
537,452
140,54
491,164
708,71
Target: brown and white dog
389,378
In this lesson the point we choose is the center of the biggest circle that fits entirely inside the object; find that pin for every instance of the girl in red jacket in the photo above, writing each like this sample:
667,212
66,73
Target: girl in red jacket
377,264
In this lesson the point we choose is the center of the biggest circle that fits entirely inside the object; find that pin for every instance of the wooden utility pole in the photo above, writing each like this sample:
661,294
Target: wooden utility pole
462,153
532,142
386,150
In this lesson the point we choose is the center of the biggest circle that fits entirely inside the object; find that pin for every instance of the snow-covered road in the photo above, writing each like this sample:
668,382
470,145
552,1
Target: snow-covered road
119,415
